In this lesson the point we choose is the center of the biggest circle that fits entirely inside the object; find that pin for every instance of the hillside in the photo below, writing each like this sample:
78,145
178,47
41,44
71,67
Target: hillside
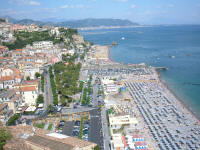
77,23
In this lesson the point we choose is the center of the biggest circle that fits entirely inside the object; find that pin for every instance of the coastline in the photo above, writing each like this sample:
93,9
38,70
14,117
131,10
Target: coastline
182,103
178,102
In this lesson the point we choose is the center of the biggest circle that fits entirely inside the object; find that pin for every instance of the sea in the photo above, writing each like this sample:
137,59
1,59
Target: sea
175,47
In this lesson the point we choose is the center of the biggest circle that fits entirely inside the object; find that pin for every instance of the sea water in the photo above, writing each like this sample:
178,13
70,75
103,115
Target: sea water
174,47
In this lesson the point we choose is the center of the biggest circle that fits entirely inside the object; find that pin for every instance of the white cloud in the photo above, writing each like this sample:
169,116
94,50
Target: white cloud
121,0
64,6
171,5
24,2
34,3
133,6
75,6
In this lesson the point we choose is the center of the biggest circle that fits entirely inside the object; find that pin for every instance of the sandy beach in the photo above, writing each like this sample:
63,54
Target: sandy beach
177,100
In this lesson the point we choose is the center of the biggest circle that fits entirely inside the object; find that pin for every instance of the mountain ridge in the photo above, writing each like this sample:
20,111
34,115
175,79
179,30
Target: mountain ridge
89,22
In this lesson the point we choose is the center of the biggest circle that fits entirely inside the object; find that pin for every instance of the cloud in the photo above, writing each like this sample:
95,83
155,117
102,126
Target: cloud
24,2
64,6
121,0
133,6
75,6
170,5
34,3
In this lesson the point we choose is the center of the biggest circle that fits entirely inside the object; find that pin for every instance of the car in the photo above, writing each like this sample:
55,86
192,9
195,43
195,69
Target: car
75,133
86,126
77,123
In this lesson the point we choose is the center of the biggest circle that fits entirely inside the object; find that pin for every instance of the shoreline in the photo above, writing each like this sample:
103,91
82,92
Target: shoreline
177,98
184,107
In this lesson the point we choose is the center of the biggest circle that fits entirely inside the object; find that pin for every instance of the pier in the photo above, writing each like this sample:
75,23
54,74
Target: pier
161,68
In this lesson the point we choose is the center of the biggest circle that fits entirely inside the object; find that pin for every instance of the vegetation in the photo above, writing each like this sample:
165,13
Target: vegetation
23,38
28,78
5,135
97,147
40,99
2,20
39,125
81,128
42,82
81,86
53,87
87,92
119,130
37,75
66,78
12,120
50,126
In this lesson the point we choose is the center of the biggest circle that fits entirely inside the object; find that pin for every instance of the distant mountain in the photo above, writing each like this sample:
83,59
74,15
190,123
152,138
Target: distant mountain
96,23
75,23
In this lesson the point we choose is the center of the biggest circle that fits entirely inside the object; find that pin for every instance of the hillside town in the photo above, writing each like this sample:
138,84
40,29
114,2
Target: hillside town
58,91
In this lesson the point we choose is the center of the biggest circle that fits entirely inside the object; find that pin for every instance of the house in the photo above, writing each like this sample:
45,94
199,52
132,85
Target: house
29,94
9,77
12,98
8,82
43,44
5,114
3,50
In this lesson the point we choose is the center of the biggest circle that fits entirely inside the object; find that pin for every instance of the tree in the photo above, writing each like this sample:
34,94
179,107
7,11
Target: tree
28,78
12,120
37,75
97,147
40,99
5,135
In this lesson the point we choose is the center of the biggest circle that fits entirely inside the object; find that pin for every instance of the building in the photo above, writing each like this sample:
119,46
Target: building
116,142
29,94
43,44
3,50
24,137
5,114
12,98
116,122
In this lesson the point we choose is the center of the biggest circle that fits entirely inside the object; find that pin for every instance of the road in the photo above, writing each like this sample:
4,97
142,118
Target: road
77,110
48,97
106,136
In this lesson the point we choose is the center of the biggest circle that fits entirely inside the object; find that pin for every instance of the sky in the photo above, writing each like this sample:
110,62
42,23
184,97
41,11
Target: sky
140,11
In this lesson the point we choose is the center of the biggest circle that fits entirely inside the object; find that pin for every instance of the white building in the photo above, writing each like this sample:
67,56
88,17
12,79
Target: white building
117,121
29,94
43,44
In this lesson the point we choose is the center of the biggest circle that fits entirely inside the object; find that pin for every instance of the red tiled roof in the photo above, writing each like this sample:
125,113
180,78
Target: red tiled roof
7,78
30,88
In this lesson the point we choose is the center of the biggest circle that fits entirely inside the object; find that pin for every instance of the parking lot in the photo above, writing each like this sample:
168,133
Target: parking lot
91,129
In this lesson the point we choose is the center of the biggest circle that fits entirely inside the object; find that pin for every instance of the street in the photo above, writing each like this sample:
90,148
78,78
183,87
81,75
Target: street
48,97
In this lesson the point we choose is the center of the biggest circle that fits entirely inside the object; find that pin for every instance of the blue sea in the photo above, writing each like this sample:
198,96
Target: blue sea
175,47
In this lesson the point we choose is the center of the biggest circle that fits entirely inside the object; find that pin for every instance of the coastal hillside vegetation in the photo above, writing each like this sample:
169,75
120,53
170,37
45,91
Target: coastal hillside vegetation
23,38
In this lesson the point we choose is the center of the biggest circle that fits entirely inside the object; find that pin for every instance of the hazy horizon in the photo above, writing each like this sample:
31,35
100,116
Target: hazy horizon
141,11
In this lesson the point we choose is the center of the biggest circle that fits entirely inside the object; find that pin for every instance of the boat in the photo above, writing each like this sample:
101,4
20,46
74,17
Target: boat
123,38
114,43
173,57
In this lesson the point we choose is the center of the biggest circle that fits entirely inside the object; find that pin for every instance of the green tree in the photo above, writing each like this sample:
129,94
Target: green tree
28,78
40,99
12,120
97,147
5,135
37,75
